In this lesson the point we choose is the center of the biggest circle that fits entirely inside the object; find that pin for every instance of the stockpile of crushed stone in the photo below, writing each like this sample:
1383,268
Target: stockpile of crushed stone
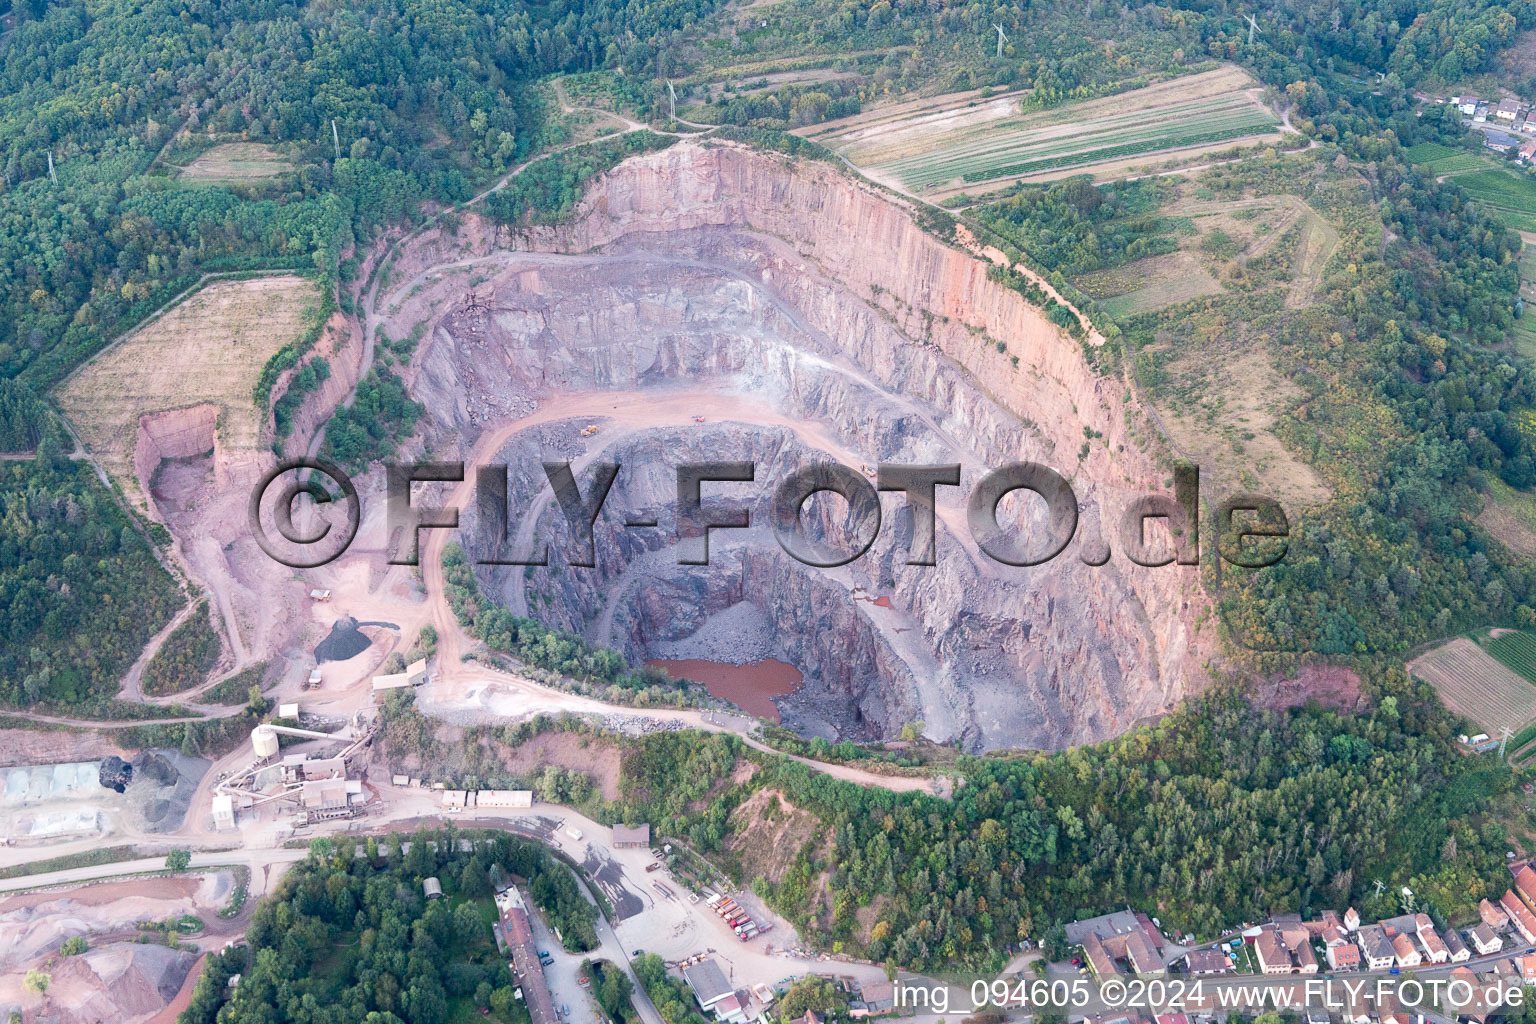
740,635
121,983
162,788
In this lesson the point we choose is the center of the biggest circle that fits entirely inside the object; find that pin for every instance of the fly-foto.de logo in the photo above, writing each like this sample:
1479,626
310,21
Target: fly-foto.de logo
1252,529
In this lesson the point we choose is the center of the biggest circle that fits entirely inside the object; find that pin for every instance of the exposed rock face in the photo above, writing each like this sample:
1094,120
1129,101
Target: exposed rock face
810,314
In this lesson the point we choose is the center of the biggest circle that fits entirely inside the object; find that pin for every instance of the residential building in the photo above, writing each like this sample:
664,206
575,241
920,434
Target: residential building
1528,151
1208,961
1435,949
518,933
1344,957
1303,960
1142,956
1150,931
1467,104
1519,915
1099,961
875,998
1352,920
1375,948
1527,966
1484,939
1457,948
1507,110
1480,114
713,992
1493,915
1270,953
1406,952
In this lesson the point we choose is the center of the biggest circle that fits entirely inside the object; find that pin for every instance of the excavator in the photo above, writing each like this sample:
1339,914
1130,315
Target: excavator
589,430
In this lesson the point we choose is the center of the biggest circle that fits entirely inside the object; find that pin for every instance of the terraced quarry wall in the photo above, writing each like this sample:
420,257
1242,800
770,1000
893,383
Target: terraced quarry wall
804,316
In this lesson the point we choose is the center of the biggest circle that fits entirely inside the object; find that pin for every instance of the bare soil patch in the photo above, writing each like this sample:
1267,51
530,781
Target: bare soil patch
1472,683
1237,396
1329,685
767,833
197,366
1150,283
41,746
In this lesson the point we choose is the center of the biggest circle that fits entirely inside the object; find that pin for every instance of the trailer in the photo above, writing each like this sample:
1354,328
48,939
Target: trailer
729,906
663,890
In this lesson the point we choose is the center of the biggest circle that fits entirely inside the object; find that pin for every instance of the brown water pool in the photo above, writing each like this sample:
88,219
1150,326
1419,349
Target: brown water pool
750,687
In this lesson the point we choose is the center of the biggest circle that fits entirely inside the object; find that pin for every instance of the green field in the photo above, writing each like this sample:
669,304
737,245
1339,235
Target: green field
1429,152
1498,187
1516,651
1198,122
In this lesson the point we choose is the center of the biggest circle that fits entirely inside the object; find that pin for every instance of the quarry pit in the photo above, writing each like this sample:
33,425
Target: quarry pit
710,302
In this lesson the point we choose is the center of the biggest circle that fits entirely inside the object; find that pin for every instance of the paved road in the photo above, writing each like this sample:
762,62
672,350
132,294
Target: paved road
257,860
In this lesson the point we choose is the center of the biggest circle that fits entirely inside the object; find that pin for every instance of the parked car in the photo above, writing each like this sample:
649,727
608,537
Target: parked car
638,952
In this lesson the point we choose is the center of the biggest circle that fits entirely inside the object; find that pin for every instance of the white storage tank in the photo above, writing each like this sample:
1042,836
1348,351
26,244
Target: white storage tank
264,739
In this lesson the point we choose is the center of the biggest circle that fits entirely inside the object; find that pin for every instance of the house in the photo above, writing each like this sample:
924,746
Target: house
1352,920
730,1010
518,931
625,838
1499,143
1149,929
1457,948
1271,953
1484,939
1467,104
1435,949
1326,927
1406,952
1527,966
1099,960
1507,110
875,998
1493,916
1298,943
1480,114
1208,961
1144,959
1375,948
1478,1009
1528,151
433,888
709,985
1344,957
1519,915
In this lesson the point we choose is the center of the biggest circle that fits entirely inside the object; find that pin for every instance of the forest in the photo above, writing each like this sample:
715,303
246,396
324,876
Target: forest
186,657
79,583
376,106
349,936
1220,813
